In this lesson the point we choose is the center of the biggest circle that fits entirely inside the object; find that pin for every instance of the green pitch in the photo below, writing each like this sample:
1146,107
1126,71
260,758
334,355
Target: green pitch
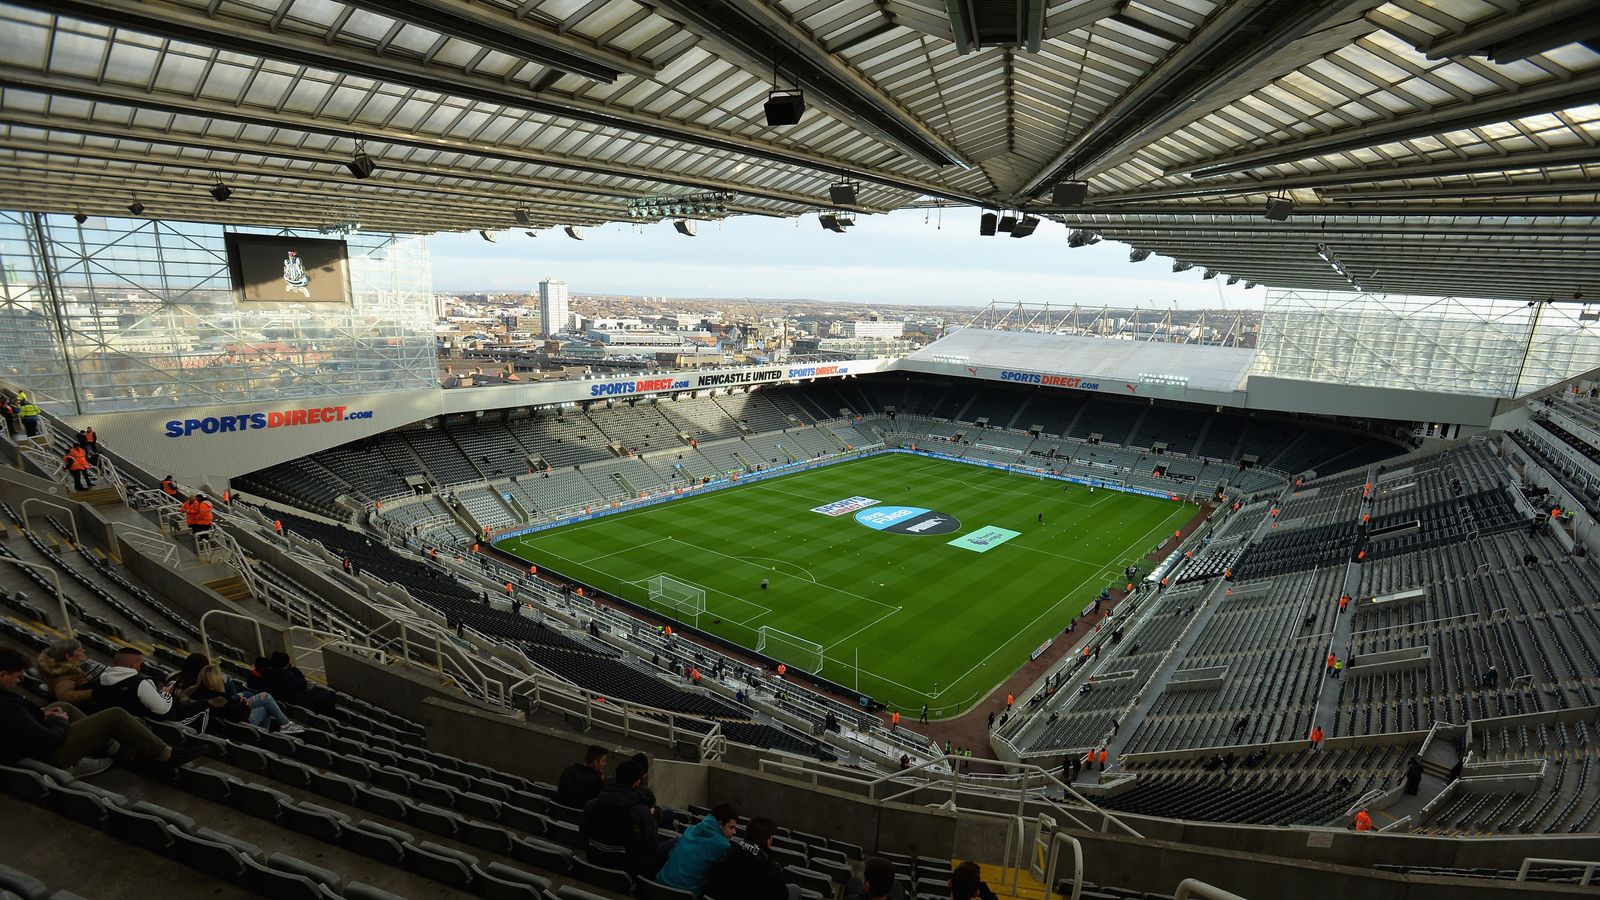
930,621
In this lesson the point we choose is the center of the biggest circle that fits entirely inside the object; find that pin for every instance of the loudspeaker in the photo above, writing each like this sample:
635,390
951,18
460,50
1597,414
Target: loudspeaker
785,107
221,192
361,166
1007,222
1025,227
136,208
522,217
842,194
80,218
1279,208
987,224
684,226
1070,193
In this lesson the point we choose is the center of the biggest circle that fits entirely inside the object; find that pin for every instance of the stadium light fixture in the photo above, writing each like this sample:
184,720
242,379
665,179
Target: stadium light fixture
136,208
1138,255
1233,279
1249,284
80,218
1209,274
573,232
1179,265
1025,226
221,192
684,227
531,233
487,235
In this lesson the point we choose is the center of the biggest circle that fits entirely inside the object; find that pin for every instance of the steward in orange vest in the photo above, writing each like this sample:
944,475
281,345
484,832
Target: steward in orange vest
77,462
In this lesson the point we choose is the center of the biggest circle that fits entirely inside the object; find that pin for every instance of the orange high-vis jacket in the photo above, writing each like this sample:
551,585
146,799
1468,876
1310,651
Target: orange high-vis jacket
1103,755
191,508
1316,735
76,460
168,488
1363,821
202,513
895,719
277,525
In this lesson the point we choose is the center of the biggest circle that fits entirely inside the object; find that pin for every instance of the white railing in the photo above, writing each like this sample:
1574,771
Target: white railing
151,543
1194,887
71,519
1587,866
48,463
55,576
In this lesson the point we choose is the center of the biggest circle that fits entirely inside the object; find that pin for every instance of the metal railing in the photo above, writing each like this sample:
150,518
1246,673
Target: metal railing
1053,857
1194,887
71,519
1588,867
150,542
55,576
205,637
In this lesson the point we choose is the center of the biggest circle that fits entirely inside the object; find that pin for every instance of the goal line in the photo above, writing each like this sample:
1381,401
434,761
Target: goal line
785,647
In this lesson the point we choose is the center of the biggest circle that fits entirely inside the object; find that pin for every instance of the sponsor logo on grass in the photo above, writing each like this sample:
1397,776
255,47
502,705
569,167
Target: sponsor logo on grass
984,539
847,505
908,520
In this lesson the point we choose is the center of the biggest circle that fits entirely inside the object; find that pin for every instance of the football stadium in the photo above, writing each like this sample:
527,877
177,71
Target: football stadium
297,601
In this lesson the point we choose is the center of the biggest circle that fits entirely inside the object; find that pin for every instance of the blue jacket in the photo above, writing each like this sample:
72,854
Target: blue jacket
693,855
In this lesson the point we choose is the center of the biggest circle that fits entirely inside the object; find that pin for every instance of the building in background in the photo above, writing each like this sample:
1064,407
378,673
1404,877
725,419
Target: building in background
553,312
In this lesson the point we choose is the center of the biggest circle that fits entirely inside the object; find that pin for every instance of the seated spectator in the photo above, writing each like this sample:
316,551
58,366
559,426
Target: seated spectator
966,884
223,696
62,736
188,674
67,672
749,871
877,882
581,782
619,826
121,686
700,848
664,817
284,680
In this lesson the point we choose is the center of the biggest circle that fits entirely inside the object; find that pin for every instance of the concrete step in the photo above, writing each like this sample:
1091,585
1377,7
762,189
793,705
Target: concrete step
998,878
232,587
101,495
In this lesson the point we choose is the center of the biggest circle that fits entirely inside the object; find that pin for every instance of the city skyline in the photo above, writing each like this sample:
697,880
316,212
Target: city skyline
794,259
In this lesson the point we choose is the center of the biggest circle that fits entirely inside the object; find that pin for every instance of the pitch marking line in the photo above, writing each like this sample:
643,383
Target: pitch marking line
819,584
594,559
640,582
780,562
1007,643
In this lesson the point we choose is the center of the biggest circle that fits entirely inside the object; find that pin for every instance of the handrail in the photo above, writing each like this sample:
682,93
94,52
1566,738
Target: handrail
1056,840
51,466
146,539
1588,867
205,639
71,520
1194,887
113,476
61,599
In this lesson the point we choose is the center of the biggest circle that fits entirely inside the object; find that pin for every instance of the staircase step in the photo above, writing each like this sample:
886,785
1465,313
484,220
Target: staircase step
998,878
104,495
232,587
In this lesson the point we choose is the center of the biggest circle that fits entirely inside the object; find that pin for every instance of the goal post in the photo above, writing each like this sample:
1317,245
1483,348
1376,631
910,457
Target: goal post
785,647
687,600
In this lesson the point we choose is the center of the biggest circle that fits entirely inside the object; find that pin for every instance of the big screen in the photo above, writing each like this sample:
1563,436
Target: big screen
280,269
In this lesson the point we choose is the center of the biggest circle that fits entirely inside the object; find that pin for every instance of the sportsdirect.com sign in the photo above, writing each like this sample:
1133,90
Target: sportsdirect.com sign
287,418
845,506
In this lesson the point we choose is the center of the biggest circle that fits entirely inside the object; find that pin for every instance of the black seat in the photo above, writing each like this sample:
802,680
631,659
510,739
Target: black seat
211,857
600,876
142,829
441,864
279,884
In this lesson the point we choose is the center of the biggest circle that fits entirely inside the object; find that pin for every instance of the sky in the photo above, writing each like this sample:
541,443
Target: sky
907,256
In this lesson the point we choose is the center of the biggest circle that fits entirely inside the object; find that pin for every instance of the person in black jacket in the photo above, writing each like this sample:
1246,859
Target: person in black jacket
749,872
618,825
61,735
581,782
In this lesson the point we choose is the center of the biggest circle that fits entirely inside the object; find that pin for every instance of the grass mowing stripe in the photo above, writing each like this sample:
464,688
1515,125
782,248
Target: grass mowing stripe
930,622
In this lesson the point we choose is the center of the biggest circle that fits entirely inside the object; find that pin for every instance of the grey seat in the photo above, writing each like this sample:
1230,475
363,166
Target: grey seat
244,847
368,842
259,800
433,819
334,786
469,803
288,771
314,821
441,864
519,819
79,805
542,854
568,892
601,876
437,793
172,817
357,890
142,829
25,784
214,786
211,857
285,863
809,880
645,889
21,883
497,887
484,836
382,803
278,884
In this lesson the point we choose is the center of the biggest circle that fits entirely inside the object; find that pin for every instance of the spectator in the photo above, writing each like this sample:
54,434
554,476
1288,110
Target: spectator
1363,821
224,698
9,413
965,883
700,848
581,782
748,870
188,674
877,882
68,674
63,736
618,824
285,682
665,817
1414,775
121,686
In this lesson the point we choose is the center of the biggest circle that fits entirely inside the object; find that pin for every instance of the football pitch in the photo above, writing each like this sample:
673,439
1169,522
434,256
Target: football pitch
941,588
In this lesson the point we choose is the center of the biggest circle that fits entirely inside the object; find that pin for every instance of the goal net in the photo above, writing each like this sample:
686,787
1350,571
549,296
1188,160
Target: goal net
685,599
785,647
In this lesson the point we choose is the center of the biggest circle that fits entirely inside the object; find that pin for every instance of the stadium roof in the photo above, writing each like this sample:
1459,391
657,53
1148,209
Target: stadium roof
1220,369
1430,146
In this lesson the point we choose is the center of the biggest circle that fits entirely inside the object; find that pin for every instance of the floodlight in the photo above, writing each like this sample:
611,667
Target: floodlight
487,235
573,232
1138,255
684,226
1181,266
361,165
1209,274
1233,279
1070,193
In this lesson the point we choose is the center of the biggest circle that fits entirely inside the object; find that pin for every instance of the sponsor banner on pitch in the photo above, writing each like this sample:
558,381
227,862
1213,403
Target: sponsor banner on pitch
907,520
984,539
847,505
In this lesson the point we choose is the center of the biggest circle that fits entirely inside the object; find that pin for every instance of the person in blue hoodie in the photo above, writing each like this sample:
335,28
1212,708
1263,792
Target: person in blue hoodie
701,847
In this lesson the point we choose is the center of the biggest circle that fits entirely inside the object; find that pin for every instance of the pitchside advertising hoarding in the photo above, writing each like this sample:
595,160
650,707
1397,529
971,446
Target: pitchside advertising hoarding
627,387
